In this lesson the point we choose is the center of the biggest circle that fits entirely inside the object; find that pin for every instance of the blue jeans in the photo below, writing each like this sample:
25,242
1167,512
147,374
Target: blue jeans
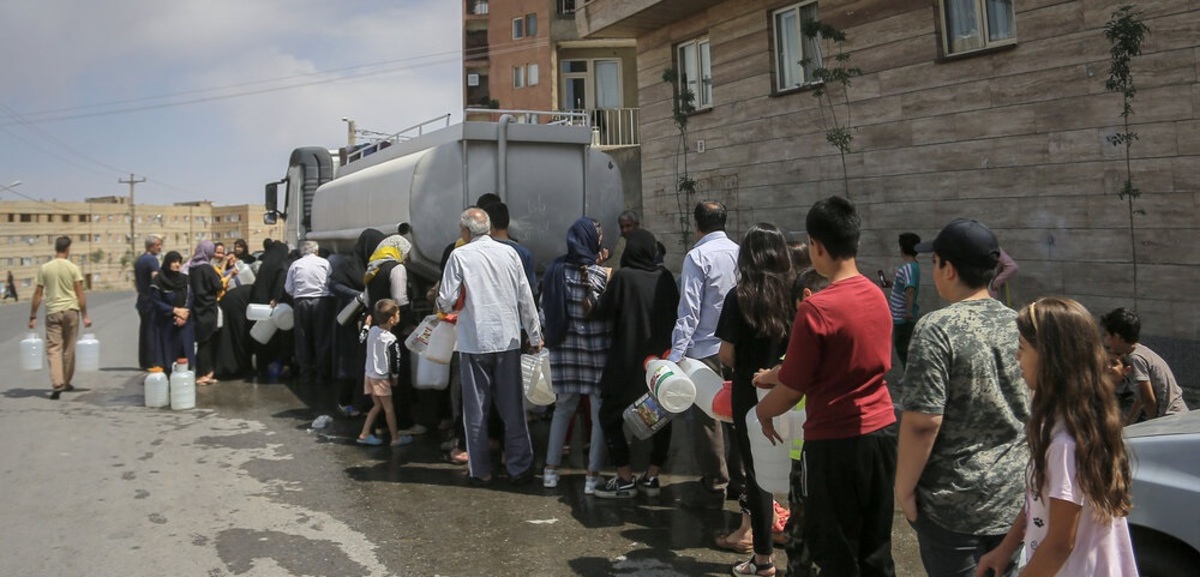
564,411
948,554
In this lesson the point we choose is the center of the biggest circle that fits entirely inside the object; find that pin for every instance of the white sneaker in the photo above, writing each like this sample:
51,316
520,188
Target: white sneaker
549,478
591,484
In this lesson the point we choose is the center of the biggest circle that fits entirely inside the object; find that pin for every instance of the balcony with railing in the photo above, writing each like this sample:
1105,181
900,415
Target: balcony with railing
566,8
611,127
475,48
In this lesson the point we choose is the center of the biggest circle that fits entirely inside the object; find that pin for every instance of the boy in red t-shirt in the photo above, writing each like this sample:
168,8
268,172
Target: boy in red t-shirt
839,350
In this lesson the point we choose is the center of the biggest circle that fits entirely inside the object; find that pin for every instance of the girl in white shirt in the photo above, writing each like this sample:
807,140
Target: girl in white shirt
1078,482
377,380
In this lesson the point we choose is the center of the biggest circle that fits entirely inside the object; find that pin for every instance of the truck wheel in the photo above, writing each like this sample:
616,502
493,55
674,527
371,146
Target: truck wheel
1160,555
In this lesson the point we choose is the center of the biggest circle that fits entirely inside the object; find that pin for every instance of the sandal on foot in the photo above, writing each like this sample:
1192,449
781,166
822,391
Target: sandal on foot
749,567
371,440
743,547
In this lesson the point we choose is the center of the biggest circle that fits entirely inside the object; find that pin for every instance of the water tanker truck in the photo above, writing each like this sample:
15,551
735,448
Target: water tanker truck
546,172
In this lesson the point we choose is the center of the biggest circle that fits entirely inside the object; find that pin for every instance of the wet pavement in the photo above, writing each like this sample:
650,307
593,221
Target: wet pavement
96,484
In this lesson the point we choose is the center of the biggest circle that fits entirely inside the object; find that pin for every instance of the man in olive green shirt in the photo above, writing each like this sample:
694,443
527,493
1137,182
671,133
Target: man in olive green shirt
61,284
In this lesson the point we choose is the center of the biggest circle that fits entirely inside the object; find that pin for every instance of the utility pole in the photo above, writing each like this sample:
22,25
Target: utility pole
132,218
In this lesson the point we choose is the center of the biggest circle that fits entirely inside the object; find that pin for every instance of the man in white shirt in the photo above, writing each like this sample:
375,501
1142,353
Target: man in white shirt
312,302
709,272
497,302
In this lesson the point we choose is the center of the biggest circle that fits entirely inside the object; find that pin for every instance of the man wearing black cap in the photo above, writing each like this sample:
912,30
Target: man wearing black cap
962,455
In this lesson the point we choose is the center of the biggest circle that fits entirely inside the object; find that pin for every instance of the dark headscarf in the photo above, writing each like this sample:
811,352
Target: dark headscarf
171,281
351,269
641,251
272,271
583,248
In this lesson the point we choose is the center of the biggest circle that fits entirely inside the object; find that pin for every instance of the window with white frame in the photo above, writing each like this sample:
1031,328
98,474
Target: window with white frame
531,24
977,24
796,55
695,72
518,76
518,28
531,75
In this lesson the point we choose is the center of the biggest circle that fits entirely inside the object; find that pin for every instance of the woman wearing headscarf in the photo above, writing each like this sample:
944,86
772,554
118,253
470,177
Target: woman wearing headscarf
387,278
172,313
207,288
578,343
268,289
641,300
347,284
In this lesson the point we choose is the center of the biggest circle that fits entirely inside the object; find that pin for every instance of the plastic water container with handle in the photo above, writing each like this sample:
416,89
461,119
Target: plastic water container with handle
157,388
87,354
283,316
441,343
535,378
258,312
429,375
671,387
773,462
33,353
708,384
263,330
645,416
183,387
245,274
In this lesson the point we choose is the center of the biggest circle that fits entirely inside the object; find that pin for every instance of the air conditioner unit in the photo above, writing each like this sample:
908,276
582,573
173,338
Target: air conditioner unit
472,80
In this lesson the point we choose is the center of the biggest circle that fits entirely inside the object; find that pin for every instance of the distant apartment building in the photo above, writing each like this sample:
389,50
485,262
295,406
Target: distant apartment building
106,235
528,55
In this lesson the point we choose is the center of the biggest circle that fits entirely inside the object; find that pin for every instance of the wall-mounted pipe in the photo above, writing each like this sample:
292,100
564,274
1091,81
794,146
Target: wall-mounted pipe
502,157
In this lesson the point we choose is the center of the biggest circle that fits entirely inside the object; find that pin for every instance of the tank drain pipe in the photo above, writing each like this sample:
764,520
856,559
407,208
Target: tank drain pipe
502,161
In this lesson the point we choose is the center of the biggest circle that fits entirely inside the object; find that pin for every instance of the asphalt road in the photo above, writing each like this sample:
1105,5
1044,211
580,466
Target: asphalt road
95,484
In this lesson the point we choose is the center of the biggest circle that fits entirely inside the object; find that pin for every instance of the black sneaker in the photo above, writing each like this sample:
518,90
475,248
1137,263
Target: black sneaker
616,488
649,486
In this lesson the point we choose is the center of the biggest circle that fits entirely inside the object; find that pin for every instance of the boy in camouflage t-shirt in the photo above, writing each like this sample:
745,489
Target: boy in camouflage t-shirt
962,451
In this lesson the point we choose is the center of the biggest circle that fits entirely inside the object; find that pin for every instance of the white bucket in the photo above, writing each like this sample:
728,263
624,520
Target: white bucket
429,375
672,388
257,312
535,377
262,331
87,354
157,389
708,384
183,387
283,317
441,343
33,353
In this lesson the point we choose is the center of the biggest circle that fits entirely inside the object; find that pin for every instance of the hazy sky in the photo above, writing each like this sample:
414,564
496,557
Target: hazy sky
206,99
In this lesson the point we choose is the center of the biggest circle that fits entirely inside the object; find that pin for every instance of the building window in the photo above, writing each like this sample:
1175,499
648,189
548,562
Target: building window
531,25
518,28
518,76
976,24
532,75
796,55
695,72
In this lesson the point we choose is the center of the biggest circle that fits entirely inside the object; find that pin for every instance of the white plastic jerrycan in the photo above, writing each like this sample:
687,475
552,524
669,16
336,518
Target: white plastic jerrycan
773,462
157,389
668,383
183,387
33,353
87,354
708,384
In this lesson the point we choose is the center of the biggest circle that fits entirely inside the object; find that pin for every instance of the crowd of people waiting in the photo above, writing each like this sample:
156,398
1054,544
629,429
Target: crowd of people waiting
1009,421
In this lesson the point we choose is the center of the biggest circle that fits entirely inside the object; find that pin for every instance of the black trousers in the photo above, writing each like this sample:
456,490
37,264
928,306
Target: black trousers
314,336
759,504
847,489
147,340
